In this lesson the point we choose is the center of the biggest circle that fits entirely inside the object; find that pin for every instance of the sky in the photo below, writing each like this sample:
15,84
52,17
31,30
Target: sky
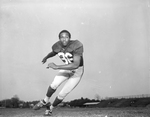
115,35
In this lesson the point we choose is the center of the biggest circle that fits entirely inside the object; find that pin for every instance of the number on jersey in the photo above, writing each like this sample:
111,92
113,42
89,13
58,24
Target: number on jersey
66,57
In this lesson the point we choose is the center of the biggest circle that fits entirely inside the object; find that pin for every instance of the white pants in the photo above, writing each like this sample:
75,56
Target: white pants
73,77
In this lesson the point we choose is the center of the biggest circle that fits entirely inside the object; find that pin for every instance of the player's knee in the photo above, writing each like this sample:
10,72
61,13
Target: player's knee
54,86
62,95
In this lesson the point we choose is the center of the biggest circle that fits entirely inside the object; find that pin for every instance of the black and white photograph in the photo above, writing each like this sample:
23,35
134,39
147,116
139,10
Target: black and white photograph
75,58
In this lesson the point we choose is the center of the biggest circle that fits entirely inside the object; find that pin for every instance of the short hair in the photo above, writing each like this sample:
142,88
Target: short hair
65,31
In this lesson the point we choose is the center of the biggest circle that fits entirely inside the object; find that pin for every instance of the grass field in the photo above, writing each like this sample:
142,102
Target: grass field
79,112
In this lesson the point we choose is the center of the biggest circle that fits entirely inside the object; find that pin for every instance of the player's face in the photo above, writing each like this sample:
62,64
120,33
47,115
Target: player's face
64,38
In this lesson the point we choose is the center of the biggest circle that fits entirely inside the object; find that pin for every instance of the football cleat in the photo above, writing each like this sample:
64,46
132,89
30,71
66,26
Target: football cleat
39,105
48,113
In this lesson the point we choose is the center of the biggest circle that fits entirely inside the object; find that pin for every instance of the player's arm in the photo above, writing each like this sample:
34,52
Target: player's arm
74,65
51,54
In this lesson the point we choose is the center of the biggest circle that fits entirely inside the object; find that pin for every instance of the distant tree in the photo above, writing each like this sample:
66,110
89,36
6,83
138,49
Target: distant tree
15,101
79,102
97,97
7,103
26,105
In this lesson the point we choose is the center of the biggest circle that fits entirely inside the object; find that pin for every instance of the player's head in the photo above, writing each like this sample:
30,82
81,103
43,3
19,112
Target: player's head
64,37
65,31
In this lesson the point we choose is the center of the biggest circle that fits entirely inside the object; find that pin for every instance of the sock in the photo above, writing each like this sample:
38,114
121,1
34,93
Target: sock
50,91
56,102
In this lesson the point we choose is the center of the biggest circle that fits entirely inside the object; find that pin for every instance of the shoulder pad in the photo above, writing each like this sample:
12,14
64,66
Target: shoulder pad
56,47
77,44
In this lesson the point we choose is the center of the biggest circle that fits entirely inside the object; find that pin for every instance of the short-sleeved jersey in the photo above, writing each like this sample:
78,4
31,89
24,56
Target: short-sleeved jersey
66,54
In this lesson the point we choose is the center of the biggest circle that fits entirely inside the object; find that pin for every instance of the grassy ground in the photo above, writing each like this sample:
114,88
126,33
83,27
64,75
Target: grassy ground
79,112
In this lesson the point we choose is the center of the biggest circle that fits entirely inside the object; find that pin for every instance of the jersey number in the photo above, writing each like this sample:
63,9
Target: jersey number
65,57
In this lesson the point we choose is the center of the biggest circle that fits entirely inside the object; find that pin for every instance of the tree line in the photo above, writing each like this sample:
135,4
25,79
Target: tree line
15,102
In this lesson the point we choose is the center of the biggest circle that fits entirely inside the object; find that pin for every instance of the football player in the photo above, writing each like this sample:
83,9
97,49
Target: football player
71,53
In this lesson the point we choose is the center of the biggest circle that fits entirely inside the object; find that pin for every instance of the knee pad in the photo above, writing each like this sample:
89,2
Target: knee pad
53,86
61,96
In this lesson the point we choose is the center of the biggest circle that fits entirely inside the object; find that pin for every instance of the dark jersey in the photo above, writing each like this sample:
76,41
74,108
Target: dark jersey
66,54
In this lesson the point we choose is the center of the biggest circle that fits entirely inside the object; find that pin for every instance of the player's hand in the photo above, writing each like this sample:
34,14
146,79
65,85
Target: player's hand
44,60
53,66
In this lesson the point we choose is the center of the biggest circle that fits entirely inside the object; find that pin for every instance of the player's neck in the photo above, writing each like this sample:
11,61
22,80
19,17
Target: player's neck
65,46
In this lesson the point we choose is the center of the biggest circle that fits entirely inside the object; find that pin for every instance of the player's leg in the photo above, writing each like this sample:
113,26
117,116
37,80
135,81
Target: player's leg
60,78
68,87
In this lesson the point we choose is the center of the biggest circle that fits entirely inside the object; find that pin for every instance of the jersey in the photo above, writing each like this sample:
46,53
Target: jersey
66,54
